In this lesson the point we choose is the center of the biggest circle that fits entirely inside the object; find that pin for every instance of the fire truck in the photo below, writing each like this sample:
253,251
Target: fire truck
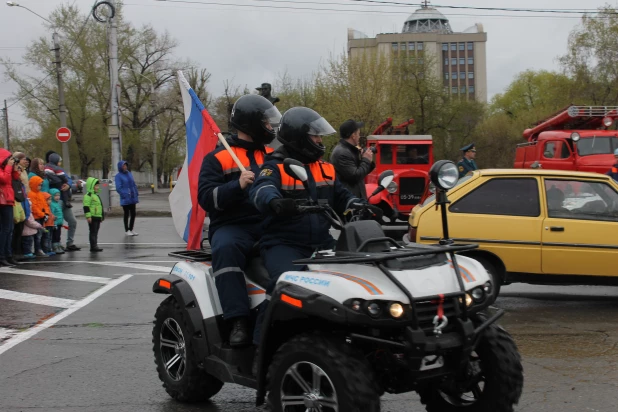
410,158
576,138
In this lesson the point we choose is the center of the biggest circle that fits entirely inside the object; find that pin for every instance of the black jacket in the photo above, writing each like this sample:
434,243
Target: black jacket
351,167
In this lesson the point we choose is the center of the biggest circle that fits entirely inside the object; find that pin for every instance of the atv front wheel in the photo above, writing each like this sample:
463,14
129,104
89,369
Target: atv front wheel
314,373
494,379
175,359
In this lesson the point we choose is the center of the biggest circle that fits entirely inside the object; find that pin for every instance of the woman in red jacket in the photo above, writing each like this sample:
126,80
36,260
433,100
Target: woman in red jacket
7,199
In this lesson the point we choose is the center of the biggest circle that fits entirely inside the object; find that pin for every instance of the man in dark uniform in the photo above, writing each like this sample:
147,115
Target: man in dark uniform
613,172
235,224
467,164
265,91
352,165
288,236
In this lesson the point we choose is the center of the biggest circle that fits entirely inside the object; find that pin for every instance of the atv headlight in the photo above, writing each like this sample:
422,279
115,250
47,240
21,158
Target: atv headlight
444,174
469,300
478,294
396,310
374,309
392,187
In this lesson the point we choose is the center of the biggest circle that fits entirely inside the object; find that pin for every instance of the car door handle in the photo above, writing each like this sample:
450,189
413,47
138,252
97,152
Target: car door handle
556,228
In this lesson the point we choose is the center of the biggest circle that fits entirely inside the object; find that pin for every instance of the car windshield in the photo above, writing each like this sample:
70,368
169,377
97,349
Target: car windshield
597,145
432,189
405,154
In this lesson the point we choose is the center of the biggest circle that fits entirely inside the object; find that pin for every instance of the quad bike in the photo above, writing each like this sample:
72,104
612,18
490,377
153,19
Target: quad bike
368,318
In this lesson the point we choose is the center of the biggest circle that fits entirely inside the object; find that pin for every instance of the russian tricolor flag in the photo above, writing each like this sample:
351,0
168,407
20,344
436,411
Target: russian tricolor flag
202,138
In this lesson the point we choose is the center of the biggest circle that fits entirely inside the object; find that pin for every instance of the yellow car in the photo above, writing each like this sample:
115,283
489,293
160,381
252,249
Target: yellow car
532,226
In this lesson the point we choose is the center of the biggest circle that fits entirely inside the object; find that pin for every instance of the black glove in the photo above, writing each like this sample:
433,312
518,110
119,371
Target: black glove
283,207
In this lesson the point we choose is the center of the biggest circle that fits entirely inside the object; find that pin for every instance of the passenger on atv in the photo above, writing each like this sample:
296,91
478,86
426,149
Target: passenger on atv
235,224
288,236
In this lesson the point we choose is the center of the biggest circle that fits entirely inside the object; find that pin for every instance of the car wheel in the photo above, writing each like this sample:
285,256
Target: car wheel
176,362
315,373
494,379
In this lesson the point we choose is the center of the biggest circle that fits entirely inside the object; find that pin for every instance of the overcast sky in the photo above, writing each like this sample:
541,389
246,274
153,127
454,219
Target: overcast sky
252,45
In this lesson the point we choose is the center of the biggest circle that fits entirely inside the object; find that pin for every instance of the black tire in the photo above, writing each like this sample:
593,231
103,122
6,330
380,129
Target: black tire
494,274
338,367
501,373
188,384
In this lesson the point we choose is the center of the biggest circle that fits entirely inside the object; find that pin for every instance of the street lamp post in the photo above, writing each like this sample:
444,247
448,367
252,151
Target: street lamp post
61,105
155,181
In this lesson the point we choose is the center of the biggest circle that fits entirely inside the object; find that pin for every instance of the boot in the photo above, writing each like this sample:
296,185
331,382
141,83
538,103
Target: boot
11,260
240,333
57,249
72,248
6,263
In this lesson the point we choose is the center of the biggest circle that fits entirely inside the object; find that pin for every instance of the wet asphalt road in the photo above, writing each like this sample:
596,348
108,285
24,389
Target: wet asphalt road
98,358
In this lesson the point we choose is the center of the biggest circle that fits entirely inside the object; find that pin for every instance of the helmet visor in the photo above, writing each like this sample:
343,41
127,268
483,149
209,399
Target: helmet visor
272,116
320,127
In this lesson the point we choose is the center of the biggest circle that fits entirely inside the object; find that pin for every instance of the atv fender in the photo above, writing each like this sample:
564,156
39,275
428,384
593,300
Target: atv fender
182,292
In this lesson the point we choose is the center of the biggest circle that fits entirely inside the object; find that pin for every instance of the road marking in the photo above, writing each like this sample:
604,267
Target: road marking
152,268
6,333
55,275
145,244
20,337
37,299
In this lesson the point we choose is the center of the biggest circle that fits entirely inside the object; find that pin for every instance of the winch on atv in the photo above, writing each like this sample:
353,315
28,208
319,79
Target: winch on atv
369,317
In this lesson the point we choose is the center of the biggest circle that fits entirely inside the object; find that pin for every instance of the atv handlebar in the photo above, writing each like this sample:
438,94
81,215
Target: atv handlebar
359,211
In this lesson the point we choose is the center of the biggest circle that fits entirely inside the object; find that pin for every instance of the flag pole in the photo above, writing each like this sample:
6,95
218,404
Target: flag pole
231,152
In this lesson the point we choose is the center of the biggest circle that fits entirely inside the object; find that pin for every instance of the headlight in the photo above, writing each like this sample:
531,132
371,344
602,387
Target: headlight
444,174
374,309
356,305
392,187
469,300
396,310
575,136
478,294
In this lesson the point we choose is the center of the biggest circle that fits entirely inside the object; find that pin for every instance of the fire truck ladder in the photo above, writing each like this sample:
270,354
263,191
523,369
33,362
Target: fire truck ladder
574,117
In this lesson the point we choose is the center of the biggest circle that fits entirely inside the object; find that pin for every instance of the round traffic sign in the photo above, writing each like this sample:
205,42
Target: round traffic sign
63,134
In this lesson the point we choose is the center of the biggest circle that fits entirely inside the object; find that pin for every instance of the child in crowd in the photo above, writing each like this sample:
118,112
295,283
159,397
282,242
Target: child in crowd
93,211
31,229
56,209
49,224
40,211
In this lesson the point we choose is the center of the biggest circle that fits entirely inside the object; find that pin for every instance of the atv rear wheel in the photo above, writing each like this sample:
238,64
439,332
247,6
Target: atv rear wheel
317,374
176,362
494,379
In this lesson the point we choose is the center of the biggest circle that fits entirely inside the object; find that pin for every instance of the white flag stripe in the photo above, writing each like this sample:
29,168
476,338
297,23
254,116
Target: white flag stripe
55,275
36,299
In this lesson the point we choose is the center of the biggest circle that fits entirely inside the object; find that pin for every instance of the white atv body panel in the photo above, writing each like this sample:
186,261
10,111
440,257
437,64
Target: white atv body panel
342,282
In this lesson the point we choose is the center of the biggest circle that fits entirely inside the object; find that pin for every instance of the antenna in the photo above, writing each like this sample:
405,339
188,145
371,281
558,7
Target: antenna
426,4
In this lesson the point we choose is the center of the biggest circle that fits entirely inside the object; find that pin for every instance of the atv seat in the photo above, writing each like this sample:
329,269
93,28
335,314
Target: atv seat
255,270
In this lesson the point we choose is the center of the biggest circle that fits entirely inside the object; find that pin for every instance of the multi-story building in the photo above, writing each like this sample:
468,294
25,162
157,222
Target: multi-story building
459,58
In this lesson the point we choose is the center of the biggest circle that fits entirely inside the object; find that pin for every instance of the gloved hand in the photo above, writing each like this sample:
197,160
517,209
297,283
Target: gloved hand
46,218
283,207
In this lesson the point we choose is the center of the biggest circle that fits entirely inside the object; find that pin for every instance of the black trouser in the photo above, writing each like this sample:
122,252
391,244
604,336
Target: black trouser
6,231
129,209
57,234
93,226
17,249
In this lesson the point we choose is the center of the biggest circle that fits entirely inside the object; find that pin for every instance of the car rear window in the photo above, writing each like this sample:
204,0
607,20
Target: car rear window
502,196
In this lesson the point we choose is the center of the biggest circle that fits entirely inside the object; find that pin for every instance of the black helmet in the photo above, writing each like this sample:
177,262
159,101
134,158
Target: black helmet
250,115
297,124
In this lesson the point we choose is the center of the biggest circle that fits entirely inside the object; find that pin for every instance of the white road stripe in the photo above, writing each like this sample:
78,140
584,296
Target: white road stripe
37,299
20,337
55,275
152,268
6,333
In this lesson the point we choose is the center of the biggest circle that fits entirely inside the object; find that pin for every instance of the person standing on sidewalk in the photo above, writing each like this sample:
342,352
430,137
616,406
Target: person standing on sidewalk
67,208
93,212
7,200
127,189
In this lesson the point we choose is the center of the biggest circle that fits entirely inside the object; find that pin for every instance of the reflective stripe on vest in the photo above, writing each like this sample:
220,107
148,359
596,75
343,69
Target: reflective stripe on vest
229,165
614,169
323,173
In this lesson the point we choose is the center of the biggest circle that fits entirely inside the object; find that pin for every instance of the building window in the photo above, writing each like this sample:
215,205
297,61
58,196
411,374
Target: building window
444,46
395,46
462,61
412,59
471,89
446,62
445,76
453,62
419,46
463,90
421,61
402,47
454,89
470,46
462,75
462,46
411,46
470,75
470,60
453,46
454,75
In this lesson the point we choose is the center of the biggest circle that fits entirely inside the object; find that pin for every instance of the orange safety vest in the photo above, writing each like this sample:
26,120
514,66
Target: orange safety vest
323,173
229,165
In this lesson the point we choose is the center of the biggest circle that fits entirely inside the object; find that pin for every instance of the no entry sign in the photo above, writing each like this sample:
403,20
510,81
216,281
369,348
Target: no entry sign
63,134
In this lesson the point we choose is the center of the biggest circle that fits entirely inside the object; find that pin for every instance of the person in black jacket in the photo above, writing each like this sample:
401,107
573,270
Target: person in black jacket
235,224
350,163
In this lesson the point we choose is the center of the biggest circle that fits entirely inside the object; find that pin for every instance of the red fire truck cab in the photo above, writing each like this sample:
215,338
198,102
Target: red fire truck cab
576,138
